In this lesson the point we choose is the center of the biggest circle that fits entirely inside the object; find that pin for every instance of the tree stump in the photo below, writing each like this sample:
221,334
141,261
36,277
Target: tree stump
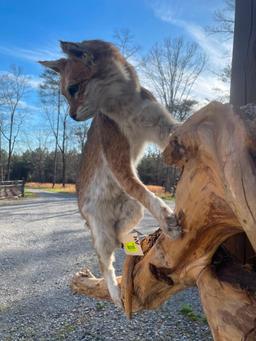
215,200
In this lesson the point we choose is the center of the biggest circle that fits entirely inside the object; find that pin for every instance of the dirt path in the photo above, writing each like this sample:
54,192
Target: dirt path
43,243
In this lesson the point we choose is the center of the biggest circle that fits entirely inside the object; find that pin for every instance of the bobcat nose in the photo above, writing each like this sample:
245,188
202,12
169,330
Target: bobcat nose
73,115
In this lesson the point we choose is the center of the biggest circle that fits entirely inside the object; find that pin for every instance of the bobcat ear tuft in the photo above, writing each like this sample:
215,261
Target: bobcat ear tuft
77,50
55,65
71,49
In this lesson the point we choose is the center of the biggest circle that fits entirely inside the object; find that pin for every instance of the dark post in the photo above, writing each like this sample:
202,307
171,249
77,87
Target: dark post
23,188
243,88
243,75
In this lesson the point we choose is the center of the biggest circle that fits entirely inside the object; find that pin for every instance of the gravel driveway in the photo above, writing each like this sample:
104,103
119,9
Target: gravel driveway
43,243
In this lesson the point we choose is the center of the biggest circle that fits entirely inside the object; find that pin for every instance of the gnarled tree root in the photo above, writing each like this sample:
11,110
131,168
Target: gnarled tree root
215,200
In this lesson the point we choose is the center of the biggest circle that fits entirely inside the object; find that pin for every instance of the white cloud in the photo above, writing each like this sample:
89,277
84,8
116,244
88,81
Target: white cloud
25,106
33,81
209,87
31,54
218,51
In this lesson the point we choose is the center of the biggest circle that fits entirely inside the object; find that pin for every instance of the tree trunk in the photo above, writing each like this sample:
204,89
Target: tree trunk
56,142
63,152
63,169
8,167
243,75
243,84
215,200
230,310
10,149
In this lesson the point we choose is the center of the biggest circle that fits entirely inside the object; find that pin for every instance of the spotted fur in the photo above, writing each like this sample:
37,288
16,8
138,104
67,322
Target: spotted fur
126,118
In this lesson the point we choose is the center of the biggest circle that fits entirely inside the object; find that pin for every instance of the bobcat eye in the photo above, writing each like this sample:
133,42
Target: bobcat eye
72,89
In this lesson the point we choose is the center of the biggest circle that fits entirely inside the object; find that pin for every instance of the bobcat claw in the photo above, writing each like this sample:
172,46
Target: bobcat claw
170,226
175,232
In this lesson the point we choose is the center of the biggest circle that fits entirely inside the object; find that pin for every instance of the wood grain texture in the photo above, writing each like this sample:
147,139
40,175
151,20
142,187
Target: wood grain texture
215,200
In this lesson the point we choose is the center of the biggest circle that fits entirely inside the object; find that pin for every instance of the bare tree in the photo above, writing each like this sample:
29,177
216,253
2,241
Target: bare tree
63,145
224,76
171,69
183,109
124,40
37,146
13,88
224,20
56,110
49,92
80,133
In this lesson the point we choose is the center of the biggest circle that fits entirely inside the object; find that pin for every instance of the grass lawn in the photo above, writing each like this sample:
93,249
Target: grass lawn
160,192
58,188
70,188
28,194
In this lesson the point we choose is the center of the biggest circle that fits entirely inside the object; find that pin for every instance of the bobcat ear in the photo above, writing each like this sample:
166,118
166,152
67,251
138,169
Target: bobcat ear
77,50
56,65
71,49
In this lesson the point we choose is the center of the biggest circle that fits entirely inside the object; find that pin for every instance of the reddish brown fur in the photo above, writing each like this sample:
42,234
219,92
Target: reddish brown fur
97,80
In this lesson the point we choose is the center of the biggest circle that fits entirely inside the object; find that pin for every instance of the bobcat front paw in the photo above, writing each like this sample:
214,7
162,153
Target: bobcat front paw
170,225
115,294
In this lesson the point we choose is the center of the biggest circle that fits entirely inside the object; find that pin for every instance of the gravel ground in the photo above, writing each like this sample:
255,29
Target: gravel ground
44,243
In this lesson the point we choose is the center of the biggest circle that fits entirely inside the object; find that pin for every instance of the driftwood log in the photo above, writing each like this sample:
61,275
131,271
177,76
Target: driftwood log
215,200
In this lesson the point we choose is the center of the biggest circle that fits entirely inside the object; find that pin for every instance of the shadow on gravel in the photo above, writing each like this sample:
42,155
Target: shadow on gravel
62,214
57,248
41,251
42,198
21,204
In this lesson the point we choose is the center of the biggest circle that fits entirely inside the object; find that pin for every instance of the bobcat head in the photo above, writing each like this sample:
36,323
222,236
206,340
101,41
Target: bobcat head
94,77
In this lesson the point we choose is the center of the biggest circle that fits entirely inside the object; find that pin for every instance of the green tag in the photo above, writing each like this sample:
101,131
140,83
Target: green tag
132,245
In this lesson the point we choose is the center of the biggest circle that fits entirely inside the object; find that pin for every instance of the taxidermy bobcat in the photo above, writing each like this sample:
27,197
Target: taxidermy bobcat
98,82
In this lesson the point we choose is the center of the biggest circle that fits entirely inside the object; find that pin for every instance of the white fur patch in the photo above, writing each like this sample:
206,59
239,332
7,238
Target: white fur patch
122,69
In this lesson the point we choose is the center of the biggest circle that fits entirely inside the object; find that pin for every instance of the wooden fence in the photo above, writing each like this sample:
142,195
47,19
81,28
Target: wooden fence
12,189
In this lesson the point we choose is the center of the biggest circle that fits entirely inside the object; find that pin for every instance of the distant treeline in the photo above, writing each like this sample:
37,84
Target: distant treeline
37,166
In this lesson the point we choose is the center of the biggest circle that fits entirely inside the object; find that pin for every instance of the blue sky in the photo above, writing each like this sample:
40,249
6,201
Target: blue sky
30,30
